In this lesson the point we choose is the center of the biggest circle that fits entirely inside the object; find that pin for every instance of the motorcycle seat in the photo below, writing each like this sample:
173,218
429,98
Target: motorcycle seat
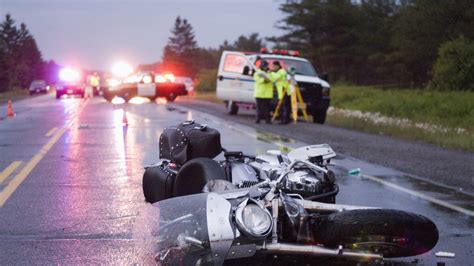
195,174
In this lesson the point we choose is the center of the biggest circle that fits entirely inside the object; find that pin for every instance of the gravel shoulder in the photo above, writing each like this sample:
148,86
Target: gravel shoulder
452,168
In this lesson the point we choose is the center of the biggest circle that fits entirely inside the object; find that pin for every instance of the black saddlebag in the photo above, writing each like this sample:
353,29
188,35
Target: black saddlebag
158,183
189,140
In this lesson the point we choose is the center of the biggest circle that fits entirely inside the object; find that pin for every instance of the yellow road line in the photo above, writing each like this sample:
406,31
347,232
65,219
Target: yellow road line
20,177
51,132
9,170
23,174
420,195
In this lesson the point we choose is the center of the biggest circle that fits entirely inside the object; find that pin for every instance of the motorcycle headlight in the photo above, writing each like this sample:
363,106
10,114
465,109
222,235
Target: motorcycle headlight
253,219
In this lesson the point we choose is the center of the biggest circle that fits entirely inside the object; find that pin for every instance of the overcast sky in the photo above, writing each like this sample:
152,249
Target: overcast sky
95,33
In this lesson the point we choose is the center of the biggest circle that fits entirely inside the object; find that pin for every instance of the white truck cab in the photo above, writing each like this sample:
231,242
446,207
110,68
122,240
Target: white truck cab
235,83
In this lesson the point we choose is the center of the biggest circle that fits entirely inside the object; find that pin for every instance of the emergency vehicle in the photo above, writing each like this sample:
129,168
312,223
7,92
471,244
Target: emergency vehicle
235,83
146,84
71,83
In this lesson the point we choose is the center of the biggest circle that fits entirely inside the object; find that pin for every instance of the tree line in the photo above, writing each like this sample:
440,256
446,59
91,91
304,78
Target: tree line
390,43
377,41
20,59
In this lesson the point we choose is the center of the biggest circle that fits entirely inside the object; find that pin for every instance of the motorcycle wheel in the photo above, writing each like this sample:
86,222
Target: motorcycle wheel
392,233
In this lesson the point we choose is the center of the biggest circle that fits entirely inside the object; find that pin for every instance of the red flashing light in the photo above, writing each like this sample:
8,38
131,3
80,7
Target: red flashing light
279,52
293,53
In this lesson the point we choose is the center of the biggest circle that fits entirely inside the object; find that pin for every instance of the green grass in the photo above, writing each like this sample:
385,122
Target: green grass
13,95
447,108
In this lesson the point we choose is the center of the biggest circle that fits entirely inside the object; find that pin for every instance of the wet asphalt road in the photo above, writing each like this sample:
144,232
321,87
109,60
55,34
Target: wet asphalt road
74,192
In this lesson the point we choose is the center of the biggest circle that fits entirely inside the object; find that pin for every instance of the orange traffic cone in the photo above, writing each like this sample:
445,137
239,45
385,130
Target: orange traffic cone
124,119
10,112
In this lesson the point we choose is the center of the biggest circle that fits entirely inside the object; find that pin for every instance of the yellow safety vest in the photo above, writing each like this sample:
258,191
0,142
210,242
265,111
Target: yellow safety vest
279,78
262,89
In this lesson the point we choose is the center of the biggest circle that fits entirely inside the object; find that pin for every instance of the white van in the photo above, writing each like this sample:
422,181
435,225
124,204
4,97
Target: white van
235,84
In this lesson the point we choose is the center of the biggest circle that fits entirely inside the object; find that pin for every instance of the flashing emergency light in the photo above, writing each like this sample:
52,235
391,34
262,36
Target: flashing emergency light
166,77
122,69
279,52
147,79
170,77
68,74
113,82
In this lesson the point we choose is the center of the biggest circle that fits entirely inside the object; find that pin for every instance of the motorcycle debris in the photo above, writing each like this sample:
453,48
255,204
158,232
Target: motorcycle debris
445,254
355,171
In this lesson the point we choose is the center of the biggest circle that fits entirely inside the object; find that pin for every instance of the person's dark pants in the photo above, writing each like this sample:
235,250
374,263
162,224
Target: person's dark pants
263,109
285,110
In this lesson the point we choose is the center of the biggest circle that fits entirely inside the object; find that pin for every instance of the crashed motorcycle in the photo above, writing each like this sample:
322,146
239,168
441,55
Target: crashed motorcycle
186,166
230,225
213,221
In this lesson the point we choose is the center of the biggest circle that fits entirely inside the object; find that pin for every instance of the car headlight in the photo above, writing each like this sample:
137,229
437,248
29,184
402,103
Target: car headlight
326,91
253,219
113,83
160,79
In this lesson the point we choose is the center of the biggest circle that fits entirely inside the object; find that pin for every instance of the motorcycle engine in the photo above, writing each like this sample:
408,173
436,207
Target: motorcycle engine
303,182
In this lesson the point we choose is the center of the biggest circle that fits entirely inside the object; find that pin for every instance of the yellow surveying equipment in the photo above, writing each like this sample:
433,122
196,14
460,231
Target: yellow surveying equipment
296,99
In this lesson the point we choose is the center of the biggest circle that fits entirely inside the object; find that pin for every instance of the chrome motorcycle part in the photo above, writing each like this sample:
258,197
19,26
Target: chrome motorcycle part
241,173
302,181
267,158
220,230
294,249
253,219
307,152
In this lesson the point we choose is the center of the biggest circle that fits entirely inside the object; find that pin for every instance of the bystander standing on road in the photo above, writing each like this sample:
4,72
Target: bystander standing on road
263,92
279,76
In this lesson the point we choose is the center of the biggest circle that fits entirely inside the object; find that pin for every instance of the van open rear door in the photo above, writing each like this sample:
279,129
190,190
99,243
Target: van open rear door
232,84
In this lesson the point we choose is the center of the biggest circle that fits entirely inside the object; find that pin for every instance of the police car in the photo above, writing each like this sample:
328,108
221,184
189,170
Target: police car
146,84
235,84
71,83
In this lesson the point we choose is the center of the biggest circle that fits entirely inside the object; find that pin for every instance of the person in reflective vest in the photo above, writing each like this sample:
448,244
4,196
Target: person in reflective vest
263,92
279,76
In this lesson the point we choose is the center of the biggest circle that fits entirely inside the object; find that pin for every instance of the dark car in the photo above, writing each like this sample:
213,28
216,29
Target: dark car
71,83
38,86
66,88
149,85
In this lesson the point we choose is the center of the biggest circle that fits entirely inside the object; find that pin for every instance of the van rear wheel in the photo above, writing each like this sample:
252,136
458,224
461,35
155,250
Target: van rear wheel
232,108
319,116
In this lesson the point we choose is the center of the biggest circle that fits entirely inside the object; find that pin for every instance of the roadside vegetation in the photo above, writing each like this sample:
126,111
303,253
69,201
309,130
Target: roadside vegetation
21,61
444,118
13,95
